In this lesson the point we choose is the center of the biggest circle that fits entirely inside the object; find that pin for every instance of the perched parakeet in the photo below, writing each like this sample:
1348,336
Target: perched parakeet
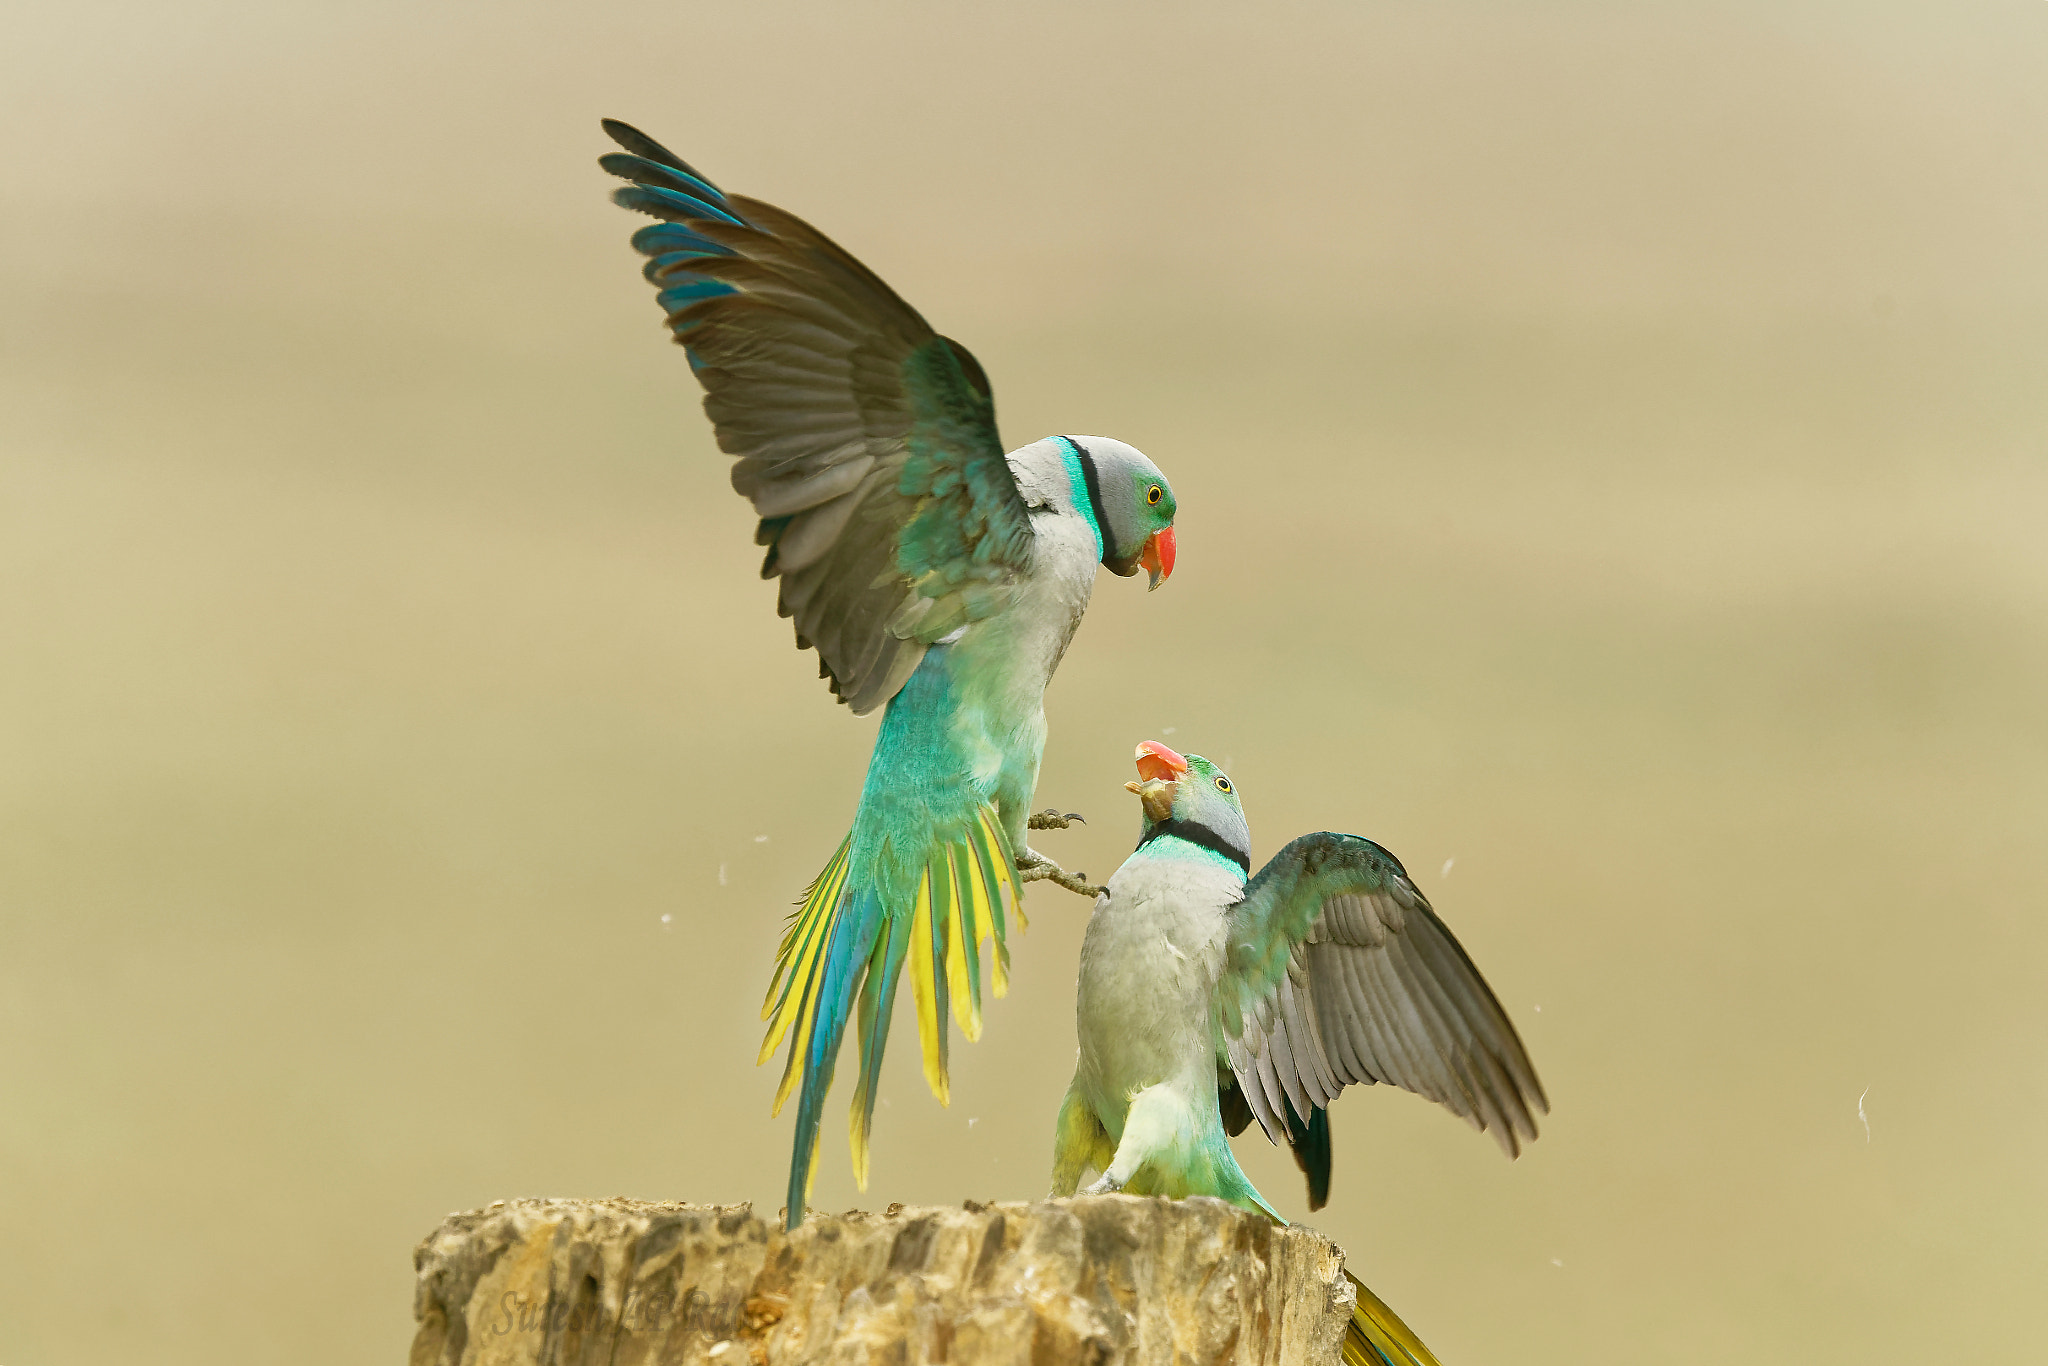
1208,998
935,577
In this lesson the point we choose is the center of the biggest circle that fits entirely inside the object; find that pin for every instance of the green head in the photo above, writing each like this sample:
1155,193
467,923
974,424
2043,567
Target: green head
1192,800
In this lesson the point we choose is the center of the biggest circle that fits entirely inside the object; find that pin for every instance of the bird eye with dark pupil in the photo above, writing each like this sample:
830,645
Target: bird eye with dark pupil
1152,496
1223,784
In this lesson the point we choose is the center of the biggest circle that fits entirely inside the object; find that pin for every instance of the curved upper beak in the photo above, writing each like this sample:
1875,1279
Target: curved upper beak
1157,558
1159,771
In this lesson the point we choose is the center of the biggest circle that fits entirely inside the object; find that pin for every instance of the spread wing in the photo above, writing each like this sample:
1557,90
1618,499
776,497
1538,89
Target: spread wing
866,442
1339,974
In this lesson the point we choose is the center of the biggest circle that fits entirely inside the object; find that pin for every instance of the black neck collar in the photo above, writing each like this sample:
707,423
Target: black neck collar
1196,833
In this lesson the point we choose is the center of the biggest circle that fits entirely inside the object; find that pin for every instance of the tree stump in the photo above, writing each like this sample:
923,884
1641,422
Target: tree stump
1089,1281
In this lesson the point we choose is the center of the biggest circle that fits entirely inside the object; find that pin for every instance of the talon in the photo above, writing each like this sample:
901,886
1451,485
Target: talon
1051,819
1033,866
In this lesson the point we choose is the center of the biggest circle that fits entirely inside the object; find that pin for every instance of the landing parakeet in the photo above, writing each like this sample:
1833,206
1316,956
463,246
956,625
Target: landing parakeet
936,577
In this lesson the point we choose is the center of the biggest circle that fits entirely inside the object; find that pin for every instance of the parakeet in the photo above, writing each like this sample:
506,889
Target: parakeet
936,578
1208,998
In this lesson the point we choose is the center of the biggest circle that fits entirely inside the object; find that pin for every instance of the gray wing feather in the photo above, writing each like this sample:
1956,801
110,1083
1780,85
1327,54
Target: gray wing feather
854,426
1347,977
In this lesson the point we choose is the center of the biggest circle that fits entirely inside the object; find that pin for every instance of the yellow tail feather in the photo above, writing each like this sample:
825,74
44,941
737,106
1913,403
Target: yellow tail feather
798,1004
1006,862
1376,1334
800,942
924,992
987,904
792,1073
856,1139
959,982
959,907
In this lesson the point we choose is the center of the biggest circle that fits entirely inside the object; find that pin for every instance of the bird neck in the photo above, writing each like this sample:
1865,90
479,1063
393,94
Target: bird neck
1084,485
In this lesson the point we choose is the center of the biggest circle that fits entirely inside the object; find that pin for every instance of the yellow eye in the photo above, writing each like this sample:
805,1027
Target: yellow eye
1223,784
1153,495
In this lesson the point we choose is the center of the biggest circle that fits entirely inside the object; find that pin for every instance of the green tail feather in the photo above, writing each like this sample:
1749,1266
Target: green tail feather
936,940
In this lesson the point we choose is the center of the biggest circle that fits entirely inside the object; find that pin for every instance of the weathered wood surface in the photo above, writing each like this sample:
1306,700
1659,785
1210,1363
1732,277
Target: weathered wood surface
1088,1282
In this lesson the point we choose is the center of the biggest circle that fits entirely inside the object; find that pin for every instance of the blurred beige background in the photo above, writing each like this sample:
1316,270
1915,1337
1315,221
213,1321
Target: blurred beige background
1611,445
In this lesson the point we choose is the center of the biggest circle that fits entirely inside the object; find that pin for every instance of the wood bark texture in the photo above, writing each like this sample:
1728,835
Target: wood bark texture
1082,1282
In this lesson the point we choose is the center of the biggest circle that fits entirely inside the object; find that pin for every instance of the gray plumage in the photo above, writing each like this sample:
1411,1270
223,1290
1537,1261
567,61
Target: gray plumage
1204,996
1374,989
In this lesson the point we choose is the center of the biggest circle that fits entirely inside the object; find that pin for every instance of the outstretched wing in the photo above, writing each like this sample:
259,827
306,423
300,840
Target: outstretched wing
866,442
1339,974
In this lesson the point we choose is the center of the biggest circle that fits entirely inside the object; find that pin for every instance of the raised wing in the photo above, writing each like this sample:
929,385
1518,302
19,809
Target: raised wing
866,442
1339,973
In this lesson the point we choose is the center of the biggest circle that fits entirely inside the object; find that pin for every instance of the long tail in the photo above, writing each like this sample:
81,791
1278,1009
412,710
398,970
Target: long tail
845,948
1377,1337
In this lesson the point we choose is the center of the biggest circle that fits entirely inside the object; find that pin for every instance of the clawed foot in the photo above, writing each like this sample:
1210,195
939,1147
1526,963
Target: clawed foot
1051,819
1105,1186
1033,866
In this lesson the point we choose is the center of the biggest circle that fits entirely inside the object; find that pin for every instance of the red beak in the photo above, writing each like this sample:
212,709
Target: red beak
1157,558
1157,761
1159,770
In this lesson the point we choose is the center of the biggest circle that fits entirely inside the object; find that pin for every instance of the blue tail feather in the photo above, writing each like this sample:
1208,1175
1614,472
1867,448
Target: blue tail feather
877,1006
846,956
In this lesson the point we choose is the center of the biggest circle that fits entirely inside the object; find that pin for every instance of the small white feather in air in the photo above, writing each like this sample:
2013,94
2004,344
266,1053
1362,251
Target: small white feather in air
721,875
1860,1115
1447,867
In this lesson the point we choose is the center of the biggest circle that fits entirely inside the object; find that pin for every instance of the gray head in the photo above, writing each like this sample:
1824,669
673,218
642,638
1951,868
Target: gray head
1120,494
1192,800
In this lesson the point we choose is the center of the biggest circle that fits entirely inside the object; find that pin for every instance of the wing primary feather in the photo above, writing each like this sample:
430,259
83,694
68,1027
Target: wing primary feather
638,143
1481,1008
646,171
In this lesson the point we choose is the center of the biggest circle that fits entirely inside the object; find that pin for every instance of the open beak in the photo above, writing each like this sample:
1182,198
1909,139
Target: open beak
1159,770
1157,558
